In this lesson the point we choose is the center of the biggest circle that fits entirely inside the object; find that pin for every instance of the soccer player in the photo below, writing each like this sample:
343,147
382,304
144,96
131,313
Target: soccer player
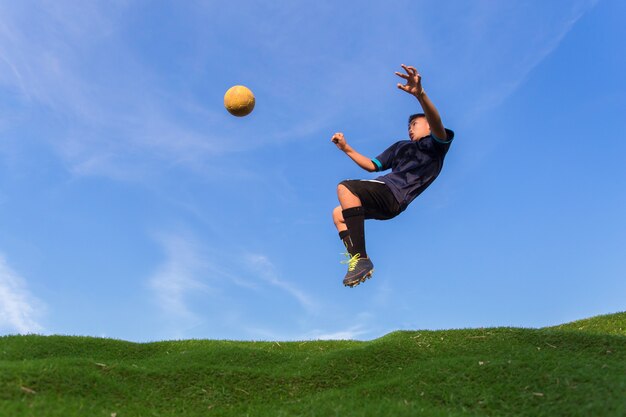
414,165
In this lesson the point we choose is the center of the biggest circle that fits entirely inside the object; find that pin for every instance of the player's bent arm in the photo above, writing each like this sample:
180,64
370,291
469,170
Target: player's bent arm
361,160
432,115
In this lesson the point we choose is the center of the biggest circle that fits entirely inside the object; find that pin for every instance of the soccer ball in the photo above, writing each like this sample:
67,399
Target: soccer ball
239,101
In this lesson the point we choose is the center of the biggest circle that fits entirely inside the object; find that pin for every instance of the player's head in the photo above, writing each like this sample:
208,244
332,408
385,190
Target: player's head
418,126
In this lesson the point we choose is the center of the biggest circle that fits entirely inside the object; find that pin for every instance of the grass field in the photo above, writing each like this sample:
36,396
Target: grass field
576,369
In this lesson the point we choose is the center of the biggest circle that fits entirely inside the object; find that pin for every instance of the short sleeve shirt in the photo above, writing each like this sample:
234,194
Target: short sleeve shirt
414,165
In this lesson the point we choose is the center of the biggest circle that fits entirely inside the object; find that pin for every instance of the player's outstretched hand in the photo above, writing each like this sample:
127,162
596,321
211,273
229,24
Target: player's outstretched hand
339,140
413,81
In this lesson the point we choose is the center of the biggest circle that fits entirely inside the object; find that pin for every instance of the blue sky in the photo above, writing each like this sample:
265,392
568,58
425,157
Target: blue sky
133,206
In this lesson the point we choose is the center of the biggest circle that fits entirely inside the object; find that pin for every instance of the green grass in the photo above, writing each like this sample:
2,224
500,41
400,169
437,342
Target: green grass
576,369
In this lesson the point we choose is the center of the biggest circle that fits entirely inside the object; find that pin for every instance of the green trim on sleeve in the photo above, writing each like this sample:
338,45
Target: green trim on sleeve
376,162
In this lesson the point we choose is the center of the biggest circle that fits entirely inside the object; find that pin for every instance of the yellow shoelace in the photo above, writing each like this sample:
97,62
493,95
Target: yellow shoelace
351,261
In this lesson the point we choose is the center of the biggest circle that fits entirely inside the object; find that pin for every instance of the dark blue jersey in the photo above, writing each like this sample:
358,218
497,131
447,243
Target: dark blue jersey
414,165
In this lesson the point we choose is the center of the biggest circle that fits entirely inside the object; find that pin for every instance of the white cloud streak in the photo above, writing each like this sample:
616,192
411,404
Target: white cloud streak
266,270
123,121
18,308
177,278
351,333
202,290
498,44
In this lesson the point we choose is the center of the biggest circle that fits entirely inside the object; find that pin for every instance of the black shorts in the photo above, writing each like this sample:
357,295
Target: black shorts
376,198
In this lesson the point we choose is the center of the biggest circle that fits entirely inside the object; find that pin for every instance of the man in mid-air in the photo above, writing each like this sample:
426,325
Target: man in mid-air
414,165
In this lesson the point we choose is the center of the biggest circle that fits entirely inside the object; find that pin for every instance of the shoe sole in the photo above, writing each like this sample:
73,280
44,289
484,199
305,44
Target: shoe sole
357,282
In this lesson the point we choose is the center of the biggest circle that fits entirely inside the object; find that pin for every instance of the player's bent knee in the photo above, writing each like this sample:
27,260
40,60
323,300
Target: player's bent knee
337,216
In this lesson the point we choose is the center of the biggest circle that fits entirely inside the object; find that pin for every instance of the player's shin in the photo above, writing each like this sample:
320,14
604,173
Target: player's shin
347,241
355,221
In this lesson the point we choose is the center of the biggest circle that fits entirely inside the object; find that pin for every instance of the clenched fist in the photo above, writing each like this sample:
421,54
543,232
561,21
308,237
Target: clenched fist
340,141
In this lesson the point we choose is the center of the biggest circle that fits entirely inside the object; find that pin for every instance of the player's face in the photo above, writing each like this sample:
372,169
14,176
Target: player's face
418,128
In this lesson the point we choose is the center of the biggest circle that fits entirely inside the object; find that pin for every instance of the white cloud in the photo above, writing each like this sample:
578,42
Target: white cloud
350,333
192,270
266,270
18,308
496,45
123,120
361,324
177,277
73,60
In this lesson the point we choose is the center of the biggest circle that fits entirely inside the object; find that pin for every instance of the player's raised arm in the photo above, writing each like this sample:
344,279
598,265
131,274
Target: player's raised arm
361,160
414,87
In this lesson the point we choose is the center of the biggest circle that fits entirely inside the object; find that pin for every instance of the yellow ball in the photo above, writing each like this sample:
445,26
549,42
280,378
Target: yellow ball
239,101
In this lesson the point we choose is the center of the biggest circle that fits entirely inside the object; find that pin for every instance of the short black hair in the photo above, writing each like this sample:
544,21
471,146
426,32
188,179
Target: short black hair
415,116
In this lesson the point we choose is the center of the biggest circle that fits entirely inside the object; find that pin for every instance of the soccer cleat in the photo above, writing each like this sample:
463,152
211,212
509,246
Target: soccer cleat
359,269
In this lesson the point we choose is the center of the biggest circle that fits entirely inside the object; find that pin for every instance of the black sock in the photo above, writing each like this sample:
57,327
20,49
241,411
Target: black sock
355,220
347,240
